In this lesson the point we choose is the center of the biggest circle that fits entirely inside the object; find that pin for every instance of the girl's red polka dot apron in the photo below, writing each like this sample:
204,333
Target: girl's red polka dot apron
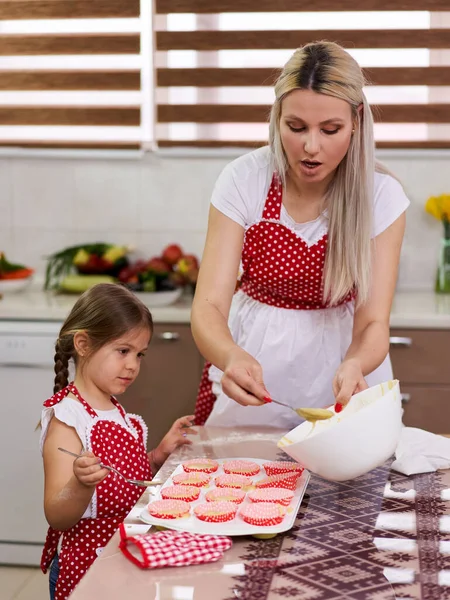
281,270
117,446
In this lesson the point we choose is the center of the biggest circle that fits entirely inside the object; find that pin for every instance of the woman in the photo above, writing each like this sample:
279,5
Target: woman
317,226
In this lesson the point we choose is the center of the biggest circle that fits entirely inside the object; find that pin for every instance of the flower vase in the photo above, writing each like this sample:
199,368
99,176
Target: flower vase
443,270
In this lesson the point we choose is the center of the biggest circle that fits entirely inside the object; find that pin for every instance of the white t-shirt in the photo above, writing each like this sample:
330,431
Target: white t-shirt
241,190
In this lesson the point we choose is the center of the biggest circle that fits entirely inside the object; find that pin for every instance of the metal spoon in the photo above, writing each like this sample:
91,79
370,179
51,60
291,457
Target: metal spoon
309,414
141,483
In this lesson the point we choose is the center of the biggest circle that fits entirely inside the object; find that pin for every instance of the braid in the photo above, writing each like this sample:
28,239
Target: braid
61,368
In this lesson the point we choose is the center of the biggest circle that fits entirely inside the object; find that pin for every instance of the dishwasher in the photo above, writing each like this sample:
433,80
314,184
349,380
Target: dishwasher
26,381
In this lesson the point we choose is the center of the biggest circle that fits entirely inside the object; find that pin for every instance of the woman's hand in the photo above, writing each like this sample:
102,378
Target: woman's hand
348,380
88,471
243,379
175,437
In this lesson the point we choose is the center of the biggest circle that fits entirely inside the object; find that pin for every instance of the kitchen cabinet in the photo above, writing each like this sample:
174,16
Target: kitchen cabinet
166,387
421,361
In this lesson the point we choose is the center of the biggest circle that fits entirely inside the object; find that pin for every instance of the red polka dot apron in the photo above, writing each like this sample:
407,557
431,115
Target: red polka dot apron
279,269
118,446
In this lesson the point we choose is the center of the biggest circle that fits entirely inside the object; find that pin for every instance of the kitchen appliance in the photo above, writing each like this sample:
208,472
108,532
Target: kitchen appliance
26,381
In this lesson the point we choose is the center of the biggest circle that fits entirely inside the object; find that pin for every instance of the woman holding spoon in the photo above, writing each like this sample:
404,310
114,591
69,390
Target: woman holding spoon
317,226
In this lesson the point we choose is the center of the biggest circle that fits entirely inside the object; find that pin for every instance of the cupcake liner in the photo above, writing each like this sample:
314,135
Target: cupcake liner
262,514
277,495
215,512
203,465
188,493
225,495
168,509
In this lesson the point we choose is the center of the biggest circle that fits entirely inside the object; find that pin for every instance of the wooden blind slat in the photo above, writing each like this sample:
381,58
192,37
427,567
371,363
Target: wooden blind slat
69,80
69,115
99,43
226,6
68,9
247,144
228,113
273,40
75,144
220,77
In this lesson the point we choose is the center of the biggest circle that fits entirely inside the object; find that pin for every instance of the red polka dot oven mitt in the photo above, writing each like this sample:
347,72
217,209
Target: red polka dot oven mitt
172,548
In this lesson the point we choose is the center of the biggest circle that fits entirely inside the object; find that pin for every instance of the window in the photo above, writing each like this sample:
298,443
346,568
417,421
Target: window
126,73
70,73
215,71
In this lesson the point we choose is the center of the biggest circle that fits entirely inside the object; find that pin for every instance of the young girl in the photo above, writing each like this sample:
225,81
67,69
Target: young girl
317,225
106,335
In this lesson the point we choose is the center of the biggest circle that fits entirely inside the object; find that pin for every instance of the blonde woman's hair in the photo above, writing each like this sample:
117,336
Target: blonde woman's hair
326,68
106,312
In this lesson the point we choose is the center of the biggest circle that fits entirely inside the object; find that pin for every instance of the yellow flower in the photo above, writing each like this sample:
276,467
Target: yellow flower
439,207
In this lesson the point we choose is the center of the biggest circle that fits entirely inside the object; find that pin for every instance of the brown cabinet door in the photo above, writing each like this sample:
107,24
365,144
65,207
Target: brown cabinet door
427,408
166,387
421,355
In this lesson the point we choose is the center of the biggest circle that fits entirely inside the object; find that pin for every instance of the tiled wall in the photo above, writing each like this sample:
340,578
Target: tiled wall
49,203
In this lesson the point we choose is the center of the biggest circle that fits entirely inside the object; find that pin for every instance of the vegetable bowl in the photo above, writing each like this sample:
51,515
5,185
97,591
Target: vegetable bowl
13,277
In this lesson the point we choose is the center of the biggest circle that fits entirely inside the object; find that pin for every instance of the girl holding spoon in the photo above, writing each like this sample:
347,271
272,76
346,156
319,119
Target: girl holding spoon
105,335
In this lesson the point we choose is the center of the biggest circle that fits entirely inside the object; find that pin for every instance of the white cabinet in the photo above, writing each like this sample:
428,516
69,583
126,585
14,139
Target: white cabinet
26,380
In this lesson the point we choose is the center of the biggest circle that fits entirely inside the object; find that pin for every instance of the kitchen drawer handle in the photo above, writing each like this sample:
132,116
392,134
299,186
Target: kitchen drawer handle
405,398
169,336
406,342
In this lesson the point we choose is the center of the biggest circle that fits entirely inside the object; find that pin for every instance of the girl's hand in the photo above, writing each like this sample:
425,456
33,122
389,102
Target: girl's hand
88,471
175,437
242,379
348,380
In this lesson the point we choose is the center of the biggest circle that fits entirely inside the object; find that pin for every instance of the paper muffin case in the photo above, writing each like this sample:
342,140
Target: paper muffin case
215,512
233,481
194,479
225,495
168,509
241,467
203,465
188,493
287,481
280,467
277,495
264,514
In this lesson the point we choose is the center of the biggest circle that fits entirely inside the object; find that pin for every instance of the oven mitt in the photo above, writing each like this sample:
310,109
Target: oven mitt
172,548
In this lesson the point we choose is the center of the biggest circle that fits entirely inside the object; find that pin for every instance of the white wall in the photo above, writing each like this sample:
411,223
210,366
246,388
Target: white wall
47,203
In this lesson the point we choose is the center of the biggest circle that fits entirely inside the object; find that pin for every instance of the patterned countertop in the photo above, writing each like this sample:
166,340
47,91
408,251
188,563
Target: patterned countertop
381,536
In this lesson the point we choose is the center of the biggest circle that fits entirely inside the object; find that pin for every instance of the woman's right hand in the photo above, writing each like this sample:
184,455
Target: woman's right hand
88,471
243,379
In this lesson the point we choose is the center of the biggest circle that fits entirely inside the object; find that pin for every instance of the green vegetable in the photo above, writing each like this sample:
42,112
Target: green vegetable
77,284
61,264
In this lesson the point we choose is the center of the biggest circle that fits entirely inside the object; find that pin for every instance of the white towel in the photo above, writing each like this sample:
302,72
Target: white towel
420,451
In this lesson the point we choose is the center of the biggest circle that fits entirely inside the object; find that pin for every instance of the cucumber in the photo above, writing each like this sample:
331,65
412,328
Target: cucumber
77,284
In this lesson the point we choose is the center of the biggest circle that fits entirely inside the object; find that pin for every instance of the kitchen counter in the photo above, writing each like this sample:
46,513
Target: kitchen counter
421,310
383,535
37,305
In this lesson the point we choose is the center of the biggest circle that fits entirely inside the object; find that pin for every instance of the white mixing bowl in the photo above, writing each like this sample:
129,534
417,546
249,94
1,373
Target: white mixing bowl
360,438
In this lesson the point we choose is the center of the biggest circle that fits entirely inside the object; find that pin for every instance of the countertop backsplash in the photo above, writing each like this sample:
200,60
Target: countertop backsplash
49,203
